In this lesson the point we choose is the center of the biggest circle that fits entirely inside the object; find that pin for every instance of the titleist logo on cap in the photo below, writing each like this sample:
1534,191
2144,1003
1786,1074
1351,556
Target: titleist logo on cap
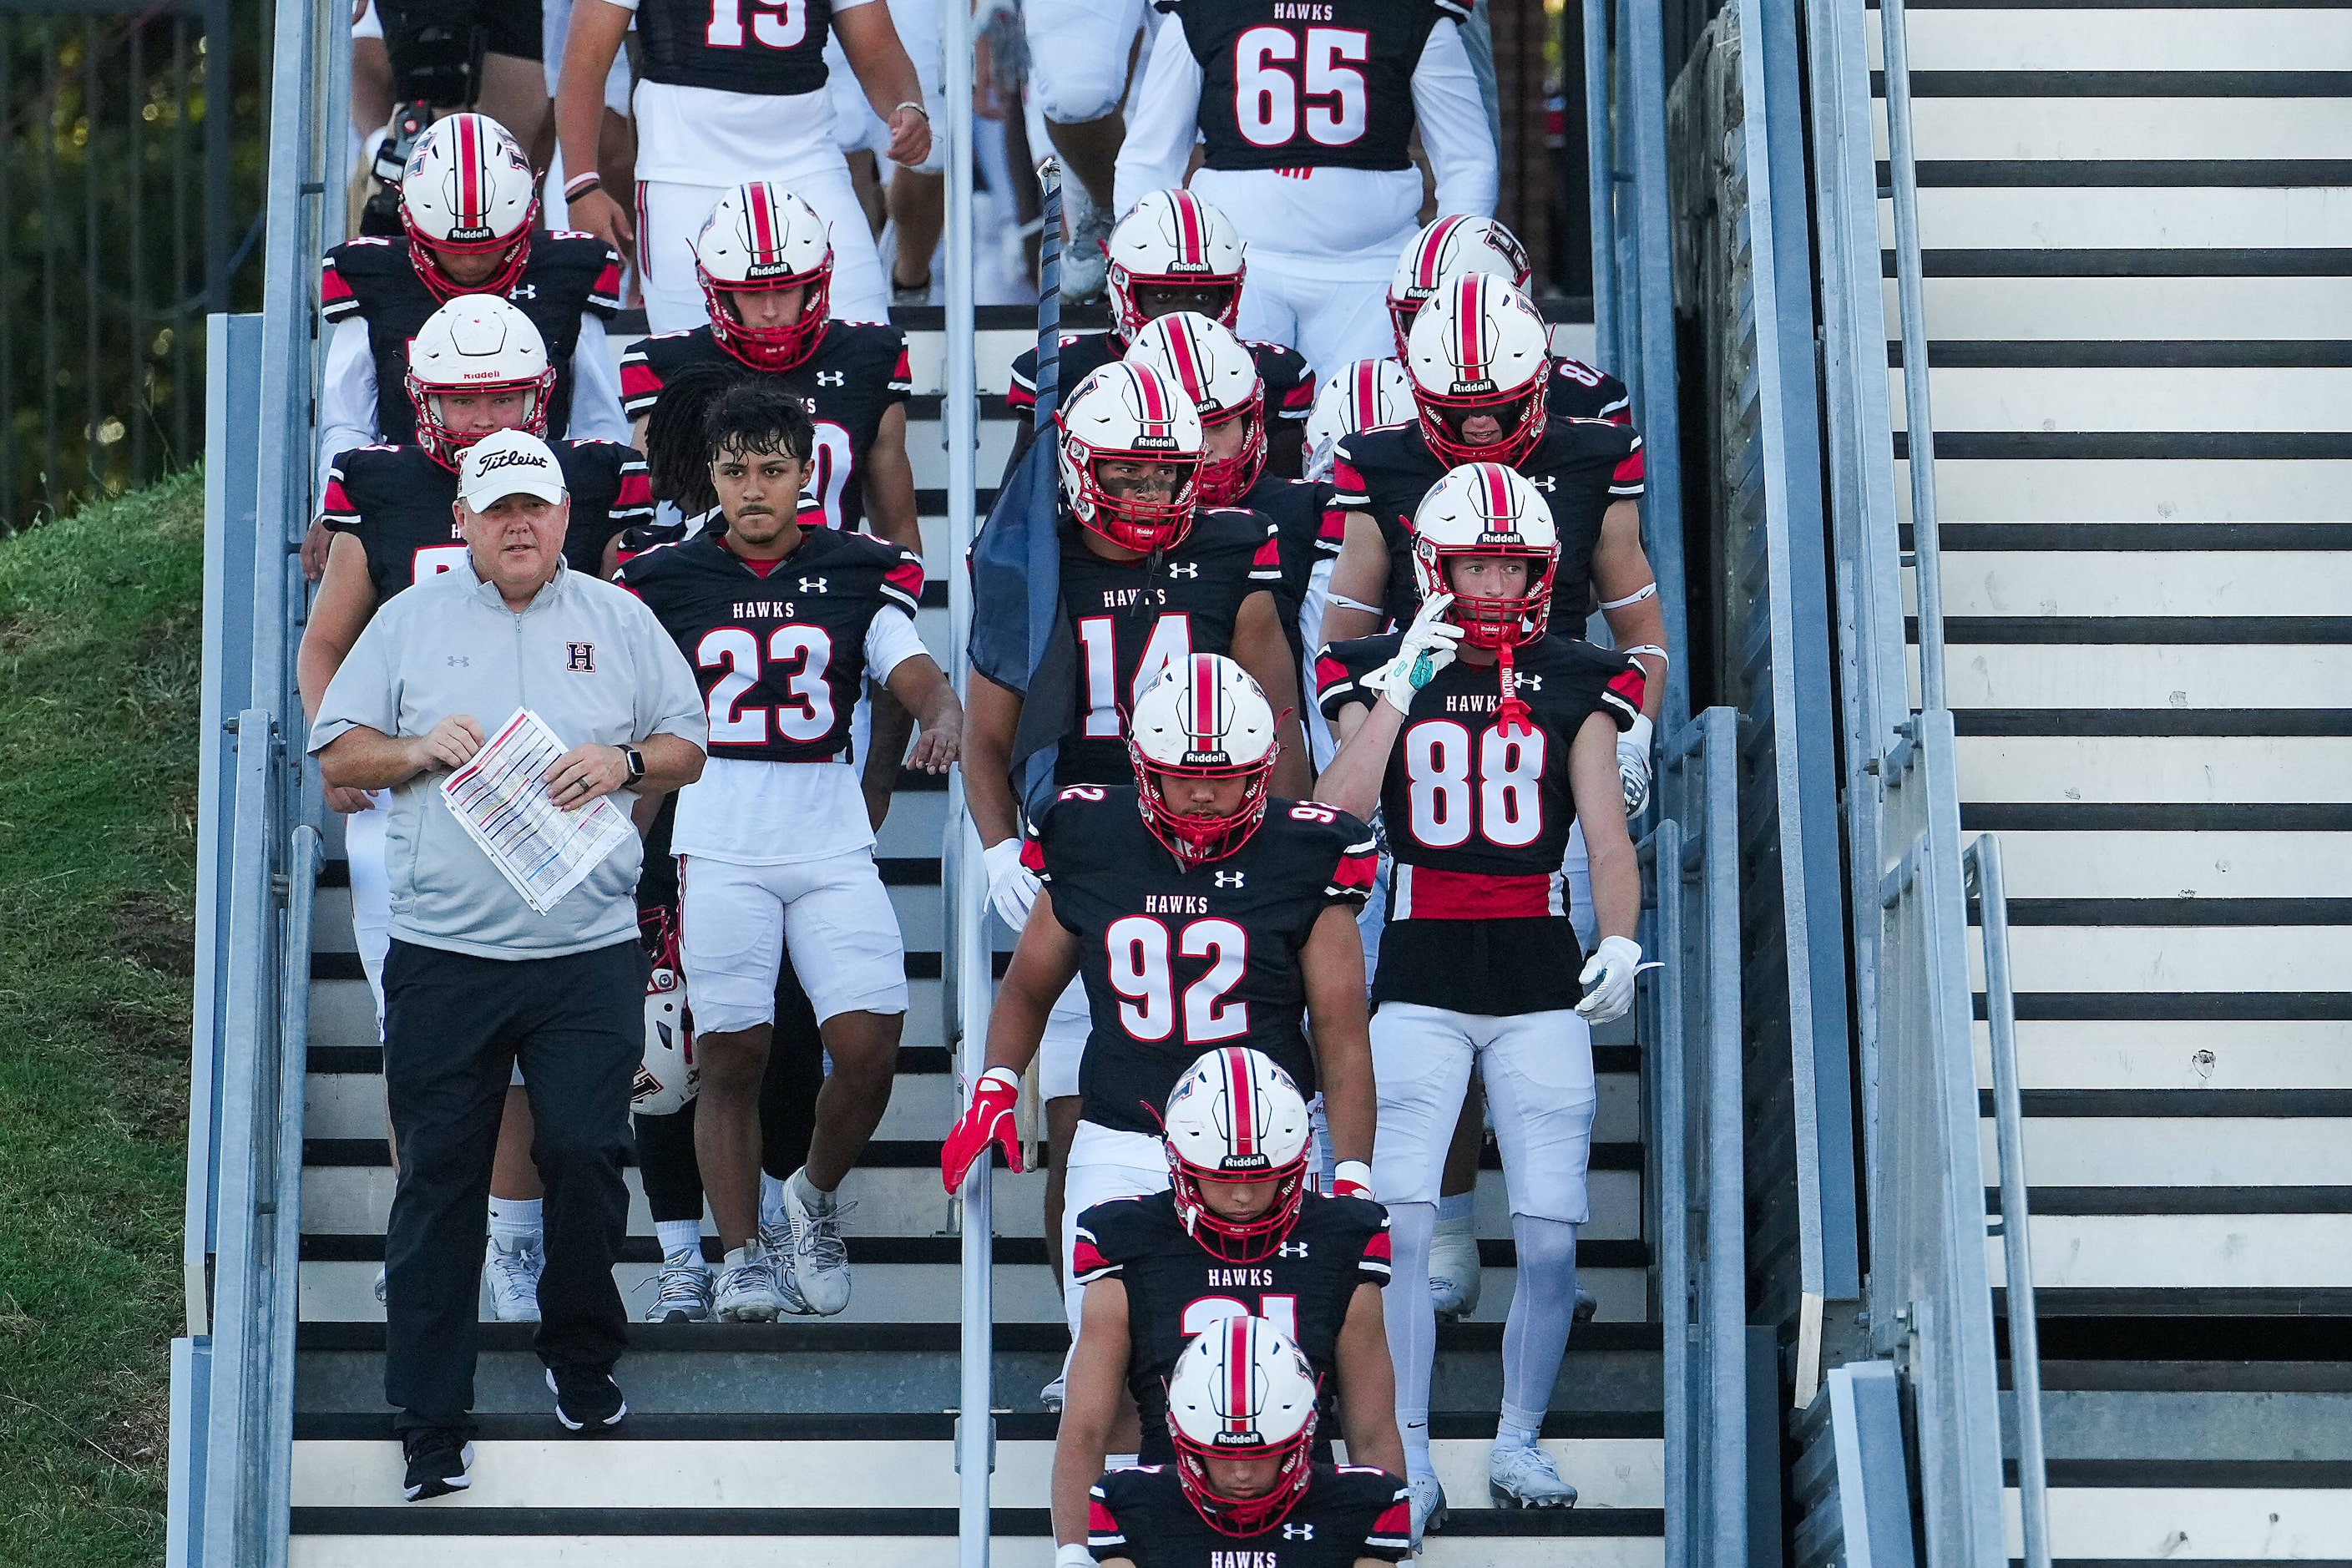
507,457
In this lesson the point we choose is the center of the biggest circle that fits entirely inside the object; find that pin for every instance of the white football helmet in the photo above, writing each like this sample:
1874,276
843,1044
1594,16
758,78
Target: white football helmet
1235,1116
1172,239
1478,348
1445,251
1220,376
1487,509
1368,393
1241,1390
476,344
1204,719
762,236
668,1077
467,188
1129,413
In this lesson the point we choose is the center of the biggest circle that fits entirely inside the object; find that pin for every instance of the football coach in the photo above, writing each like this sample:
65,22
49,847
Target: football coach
476,978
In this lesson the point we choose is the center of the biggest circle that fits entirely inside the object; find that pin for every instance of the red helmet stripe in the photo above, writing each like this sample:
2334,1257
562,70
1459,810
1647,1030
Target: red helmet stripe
1244,1101
1432,252
1499,493
763,213
1186,357
470,168
1368,389
1238,1366
1154,402
1204,700
1472,301
1190,244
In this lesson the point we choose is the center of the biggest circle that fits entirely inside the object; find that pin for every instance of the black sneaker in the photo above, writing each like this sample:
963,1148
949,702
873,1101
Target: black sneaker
437,1462
586,1400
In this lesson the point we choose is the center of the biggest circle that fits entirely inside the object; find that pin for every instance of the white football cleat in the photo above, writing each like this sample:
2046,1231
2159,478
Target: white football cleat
1428,1507
747,1286
513,1277
814,1264
1455,1276
1054,1394
682,1290
1525,1478
1588,1306
1084,267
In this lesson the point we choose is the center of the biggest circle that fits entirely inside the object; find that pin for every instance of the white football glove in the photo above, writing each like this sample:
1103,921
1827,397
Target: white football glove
1011,886
1634,765
1428,648
1607,979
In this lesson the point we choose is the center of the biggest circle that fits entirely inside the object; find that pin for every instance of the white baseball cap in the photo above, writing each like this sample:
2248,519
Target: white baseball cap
508,462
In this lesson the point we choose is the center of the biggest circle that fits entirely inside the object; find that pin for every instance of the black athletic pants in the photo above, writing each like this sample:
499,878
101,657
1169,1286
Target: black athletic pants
454,1025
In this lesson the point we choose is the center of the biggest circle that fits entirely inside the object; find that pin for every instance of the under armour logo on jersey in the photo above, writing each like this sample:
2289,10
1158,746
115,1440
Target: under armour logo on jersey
1298,1532
523,291
1291,1249
1527,682
1184,569
832,378
1547,483
456,659
580,655
1229,879
813,585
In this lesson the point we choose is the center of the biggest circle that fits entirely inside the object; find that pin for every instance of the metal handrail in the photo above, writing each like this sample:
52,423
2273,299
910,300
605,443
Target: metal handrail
1918,421
1982,862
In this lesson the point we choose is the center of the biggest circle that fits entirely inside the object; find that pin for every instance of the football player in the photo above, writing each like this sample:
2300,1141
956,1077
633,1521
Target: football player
477,367
783,624
1240,1232
468,200
1193,908
1451,246
1173,252
1481,737
1148,578
1306,119
766,267
729,92
1244,1487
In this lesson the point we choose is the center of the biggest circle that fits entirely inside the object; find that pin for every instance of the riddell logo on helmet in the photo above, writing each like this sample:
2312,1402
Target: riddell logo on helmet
1507,536
1243,1162
1180,265
764,269
1147,442
470,235
1237,1440
1483,383
1206,759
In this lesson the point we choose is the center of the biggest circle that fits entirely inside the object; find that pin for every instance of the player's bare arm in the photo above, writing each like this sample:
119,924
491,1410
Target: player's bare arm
988,725
1600,811
1367,735
637,432
924,692
345,601
1368,1384
1333,963
1621,571
870,40
1044,963
890,474
589,49
1097,1378
1260,649
1359,577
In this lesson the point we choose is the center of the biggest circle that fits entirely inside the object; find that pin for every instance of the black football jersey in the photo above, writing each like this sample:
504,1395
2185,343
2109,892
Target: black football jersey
856,372
1176,1288
376,279
1308,530
1133,619
1348,1511
1290,385
396,501
1477,822
1176,962
1581,466
781,656
1578,391
773,46
1320,86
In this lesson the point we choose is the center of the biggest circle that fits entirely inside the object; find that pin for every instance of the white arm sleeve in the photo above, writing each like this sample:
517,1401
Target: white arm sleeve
890,641
1163,120
595,387
1455,129
346,396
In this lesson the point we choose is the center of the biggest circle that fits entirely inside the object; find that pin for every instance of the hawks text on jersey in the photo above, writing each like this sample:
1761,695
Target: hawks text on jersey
375,279
780,653
396,501
735,45
1176,962
1478,820
856,372
1348,1512
1582,466
1176,1288
1133,619
1316,85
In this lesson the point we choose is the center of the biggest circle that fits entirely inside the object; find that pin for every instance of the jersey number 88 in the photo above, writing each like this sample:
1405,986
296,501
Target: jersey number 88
1503,793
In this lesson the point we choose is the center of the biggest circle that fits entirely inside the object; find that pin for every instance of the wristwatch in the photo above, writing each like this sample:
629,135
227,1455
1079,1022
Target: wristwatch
636,761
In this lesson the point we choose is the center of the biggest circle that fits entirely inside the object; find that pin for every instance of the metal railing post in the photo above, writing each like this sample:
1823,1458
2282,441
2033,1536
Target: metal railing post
1726,1308
1919,420
1669,1162
1600,173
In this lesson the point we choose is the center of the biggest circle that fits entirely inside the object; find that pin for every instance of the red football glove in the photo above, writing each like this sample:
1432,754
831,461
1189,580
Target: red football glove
1351,1179
987,1120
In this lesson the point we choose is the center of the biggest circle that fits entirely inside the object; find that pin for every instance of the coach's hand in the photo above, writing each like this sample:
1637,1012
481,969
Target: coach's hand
348,802
584,772
593,212
1607,979
987,1120
451,744
910,135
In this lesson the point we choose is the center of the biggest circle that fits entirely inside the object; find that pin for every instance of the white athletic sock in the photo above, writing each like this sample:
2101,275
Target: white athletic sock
516,1219
812,1199
679,1236
1543,1307
771,1198
1120,1461
1455,1209
1513,1431
1411,1319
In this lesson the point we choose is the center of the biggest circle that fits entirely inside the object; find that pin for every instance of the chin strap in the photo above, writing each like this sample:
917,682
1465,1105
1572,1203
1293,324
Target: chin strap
1511,713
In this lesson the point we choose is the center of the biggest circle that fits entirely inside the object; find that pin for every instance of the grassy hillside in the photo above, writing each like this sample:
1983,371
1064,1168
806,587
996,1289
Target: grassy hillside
100,636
